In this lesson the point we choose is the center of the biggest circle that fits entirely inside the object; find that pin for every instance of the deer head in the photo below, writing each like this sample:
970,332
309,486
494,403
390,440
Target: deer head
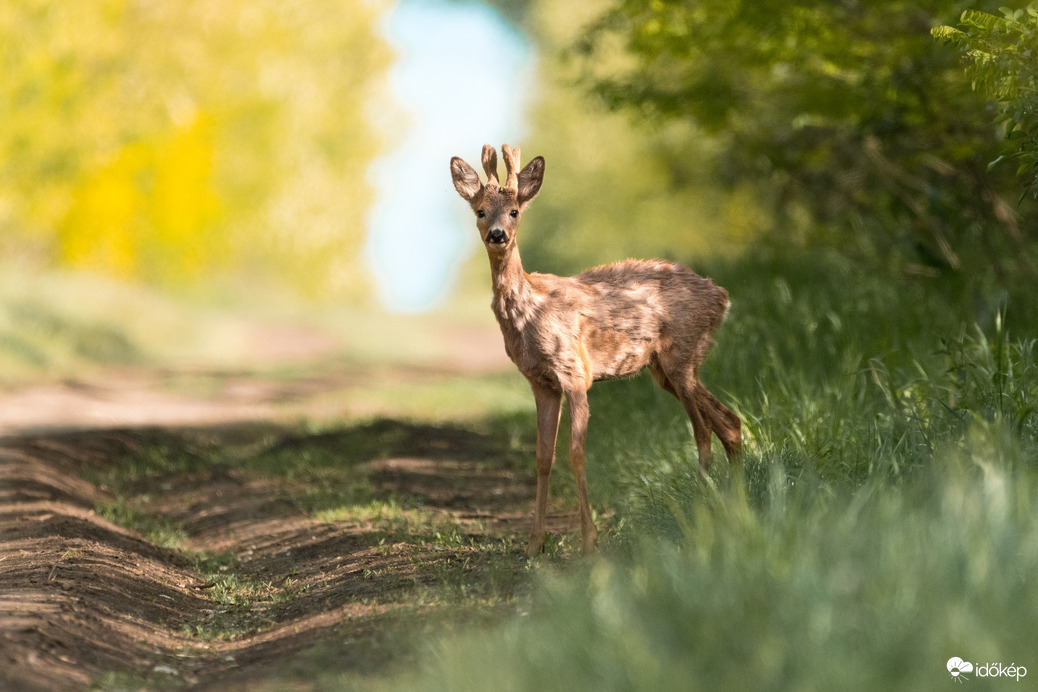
498,208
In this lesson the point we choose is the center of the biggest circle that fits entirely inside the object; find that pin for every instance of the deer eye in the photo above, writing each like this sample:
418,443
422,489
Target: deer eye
514,213
480,213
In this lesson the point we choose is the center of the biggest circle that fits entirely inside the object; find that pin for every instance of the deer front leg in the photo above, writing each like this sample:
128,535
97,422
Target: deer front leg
578,414
549,408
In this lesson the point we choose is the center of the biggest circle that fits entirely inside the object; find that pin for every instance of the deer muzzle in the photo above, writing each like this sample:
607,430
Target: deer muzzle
496,236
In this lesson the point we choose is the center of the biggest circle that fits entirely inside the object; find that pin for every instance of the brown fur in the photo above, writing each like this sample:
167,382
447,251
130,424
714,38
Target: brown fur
563,333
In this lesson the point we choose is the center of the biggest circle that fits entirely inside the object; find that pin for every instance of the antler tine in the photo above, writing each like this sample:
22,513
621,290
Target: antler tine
511,157
490,164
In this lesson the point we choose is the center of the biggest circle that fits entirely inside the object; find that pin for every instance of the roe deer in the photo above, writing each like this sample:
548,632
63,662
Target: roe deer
563,333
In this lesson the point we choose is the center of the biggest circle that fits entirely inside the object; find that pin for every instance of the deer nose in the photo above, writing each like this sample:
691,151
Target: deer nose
496,236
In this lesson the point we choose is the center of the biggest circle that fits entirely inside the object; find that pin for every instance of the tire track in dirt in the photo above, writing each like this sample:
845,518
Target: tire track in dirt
81,597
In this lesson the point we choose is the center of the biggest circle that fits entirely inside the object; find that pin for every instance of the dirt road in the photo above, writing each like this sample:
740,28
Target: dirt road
152,539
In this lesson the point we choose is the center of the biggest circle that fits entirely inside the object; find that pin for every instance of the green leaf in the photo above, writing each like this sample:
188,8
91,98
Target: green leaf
947,33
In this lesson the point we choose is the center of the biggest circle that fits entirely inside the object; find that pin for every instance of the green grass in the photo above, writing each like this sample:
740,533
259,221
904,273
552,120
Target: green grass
133,513
65,324
813,592
884,521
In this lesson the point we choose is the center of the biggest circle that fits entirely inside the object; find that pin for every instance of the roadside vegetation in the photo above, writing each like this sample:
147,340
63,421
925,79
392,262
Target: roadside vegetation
880,352
883,521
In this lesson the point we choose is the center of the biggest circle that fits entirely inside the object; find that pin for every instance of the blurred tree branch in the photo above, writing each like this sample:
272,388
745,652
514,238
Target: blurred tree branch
1001,54
858,128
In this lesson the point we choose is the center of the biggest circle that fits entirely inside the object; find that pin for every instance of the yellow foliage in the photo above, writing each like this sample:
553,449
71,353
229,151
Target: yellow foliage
100,229
174,141
184,204
149,213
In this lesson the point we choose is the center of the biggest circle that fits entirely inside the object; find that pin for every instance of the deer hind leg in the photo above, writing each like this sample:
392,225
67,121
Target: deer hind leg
701,424
578,414
726,425
684,386
549,408
661,378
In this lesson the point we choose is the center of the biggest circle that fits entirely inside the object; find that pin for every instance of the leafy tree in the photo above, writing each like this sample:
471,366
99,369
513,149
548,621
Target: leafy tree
1002,62
855,124
613,190
172,141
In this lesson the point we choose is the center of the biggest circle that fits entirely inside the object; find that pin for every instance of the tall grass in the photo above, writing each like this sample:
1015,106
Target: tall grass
840,381
816,591
885,520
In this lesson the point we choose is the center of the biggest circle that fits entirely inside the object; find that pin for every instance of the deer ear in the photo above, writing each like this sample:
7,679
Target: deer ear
530,179
466,180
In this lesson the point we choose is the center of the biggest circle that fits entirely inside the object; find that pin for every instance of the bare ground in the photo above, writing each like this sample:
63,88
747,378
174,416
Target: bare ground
258,582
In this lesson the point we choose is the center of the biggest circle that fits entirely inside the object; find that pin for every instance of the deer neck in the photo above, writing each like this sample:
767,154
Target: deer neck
513,293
